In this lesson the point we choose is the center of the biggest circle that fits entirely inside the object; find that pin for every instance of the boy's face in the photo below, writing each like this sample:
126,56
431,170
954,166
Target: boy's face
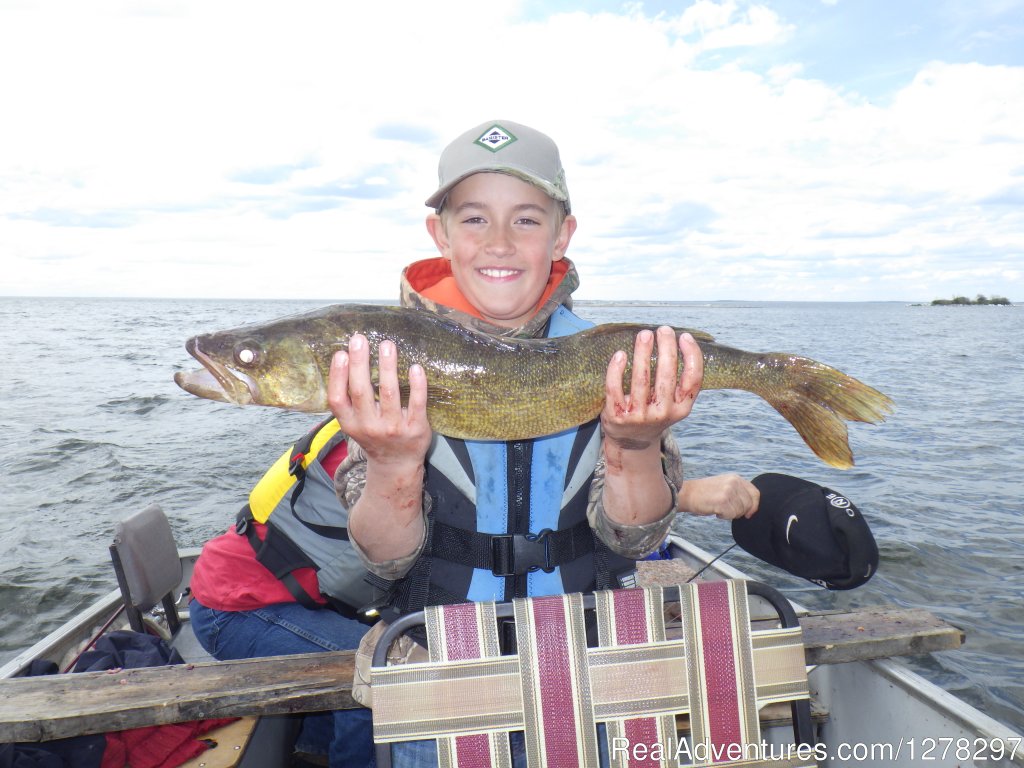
501,235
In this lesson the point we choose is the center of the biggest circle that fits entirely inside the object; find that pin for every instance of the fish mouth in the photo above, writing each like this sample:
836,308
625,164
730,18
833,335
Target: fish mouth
215,381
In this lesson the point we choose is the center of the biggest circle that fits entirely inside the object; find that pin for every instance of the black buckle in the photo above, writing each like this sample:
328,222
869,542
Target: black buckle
507,637
513,554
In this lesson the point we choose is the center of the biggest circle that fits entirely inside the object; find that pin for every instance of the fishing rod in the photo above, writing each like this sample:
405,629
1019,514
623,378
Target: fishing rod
711,562
95,637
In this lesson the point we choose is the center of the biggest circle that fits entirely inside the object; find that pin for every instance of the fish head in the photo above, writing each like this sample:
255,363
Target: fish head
256,366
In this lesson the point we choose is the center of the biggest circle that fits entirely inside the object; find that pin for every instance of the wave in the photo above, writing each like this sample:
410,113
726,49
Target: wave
138,405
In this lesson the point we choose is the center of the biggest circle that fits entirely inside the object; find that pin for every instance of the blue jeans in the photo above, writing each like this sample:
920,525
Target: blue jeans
423,754
346,736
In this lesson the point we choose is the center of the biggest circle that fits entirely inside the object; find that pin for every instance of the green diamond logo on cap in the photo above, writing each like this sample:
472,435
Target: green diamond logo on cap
495,138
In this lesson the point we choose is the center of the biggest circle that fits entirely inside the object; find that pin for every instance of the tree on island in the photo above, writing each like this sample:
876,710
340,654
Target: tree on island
964,301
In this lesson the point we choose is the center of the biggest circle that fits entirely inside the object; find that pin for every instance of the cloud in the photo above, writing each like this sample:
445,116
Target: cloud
1011,196
266,174
729,25
712,149
407,132
675,220
66,218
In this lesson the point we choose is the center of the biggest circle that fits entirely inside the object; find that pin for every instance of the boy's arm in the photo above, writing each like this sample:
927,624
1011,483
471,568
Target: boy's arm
386,522
637,540
350,482
726,496
636,494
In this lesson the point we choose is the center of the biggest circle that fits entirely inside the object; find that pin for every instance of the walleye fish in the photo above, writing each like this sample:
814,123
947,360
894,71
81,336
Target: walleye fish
483,387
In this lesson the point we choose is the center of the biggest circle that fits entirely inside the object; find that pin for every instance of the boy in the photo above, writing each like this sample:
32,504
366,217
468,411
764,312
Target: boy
441,518
521,285
502,224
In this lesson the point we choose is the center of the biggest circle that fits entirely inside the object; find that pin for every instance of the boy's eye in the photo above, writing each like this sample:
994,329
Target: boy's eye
527,220
473,220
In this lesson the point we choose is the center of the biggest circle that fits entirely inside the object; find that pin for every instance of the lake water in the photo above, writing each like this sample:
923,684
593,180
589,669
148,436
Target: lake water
94,428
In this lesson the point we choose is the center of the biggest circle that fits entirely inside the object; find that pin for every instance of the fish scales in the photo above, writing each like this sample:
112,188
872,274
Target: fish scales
499,388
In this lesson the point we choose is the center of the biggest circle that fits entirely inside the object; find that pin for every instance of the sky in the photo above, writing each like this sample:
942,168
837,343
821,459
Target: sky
835,150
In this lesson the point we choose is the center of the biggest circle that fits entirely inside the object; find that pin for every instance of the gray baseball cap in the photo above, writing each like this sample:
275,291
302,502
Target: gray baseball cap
502,146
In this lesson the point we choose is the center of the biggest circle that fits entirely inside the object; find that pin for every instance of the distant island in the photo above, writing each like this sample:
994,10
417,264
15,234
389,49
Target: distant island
964,301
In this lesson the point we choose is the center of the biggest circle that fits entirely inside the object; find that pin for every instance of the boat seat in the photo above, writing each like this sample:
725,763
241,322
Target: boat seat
635,681
149,574
147,566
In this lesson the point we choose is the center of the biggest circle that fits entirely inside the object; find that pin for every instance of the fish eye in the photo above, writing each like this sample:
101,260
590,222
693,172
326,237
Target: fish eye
247,353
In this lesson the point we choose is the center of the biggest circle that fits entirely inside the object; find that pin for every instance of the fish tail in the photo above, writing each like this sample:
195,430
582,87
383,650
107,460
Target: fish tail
818,400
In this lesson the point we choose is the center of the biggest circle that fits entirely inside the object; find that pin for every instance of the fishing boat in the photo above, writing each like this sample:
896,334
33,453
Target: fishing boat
874,708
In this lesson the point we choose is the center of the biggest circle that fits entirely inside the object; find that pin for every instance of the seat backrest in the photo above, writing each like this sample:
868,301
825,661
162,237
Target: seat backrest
147,565
556,689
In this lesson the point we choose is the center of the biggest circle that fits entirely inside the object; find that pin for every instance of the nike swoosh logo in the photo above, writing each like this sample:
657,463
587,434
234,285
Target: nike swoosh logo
789,524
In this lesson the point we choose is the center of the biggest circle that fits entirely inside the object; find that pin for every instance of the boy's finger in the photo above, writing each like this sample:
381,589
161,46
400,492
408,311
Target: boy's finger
387,365
640,385
337,386
755,501
668,360
360,386
417,407
613,382
693,369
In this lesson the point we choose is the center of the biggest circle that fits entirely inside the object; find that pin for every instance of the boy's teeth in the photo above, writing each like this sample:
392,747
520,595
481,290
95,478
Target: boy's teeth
498,272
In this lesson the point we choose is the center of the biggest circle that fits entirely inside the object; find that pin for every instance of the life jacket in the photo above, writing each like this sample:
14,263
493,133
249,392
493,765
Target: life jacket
509,519
307,526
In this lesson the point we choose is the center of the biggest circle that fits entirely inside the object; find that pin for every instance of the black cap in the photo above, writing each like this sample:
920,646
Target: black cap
809,530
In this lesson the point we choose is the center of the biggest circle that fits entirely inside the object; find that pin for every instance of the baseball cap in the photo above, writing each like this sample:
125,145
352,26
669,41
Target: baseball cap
810,531
502,146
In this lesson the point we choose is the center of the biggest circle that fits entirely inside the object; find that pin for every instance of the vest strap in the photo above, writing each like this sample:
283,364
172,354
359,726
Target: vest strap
270,558
512,554
297,459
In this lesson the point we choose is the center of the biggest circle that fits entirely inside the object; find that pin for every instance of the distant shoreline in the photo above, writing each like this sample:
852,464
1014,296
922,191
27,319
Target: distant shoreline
980,301
710,303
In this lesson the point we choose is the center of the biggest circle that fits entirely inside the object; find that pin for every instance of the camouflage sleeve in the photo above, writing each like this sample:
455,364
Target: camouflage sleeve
349,481
636,541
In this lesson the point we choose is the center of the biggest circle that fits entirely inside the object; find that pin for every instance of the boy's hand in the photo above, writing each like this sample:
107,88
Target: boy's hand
389,433
725,496
636,421
387,520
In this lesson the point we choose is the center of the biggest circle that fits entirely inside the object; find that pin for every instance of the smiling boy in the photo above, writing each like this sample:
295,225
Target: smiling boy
441,518
501,236
502,224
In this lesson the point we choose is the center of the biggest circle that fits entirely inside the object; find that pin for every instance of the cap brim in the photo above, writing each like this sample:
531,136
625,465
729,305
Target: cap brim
437,199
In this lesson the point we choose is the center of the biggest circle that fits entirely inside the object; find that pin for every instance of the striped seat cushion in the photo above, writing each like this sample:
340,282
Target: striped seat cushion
556,689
